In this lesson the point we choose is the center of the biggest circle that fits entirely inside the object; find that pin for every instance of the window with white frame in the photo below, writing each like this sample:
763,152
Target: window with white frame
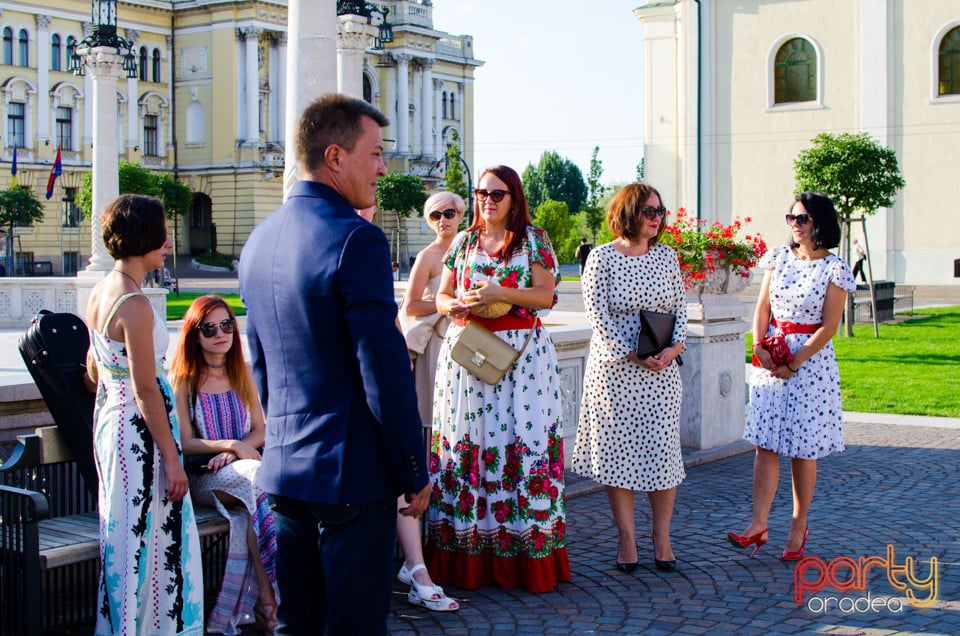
156,65
8,46
143,64
795,72
16,112
64,127
23,48
71,49
151,136
949,63
56,60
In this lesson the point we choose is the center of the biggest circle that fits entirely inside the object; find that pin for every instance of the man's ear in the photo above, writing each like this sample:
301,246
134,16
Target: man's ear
333,156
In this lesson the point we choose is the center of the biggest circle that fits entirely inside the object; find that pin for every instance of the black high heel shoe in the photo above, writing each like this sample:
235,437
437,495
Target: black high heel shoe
627,568
663,566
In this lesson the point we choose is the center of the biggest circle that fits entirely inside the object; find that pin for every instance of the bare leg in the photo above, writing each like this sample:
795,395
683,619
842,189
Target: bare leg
408,533
804,473
766,475
661,502
621,504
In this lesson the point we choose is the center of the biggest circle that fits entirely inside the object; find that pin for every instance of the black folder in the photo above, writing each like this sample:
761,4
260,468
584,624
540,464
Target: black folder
656,333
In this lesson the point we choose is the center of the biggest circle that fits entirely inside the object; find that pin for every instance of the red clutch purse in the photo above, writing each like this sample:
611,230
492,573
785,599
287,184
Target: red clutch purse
776,346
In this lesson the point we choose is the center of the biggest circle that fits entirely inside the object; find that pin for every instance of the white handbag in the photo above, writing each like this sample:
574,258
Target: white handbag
418,329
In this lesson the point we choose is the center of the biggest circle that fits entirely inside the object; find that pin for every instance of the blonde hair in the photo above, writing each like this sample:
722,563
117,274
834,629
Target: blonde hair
439,201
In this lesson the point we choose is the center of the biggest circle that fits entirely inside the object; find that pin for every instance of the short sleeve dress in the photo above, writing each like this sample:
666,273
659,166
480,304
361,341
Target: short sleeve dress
629,430
802,416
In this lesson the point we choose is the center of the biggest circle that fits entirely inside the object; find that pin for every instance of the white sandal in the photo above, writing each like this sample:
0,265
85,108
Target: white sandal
422,595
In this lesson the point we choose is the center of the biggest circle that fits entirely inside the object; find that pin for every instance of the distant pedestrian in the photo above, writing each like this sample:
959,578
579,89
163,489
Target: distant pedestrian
583,250
860,256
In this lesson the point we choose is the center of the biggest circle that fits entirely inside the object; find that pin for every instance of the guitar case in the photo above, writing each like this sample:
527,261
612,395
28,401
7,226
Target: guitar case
54,349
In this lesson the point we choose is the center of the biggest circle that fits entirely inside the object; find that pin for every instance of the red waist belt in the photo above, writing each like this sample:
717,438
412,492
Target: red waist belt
794,327
503,323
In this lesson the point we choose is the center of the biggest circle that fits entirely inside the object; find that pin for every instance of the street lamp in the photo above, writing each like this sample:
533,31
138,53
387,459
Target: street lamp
104,16
370,12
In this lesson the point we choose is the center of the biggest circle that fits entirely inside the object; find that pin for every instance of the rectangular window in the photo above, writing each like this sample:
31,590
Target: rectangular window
15,124
71,262
71,212
65,127
150,136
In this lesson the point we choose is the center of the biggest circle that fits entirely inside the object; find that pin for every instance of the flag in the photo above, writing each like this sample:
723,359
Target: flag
54,173
13,168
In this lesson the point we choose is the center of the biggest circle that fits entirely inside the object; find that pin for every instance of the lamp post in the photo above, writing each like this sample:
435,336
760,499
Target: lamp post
106,56
466,169
375,16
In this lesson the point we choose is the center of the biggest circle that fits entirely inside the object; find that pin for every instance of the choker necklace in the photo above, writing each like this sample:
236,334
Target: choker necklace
128,276
215,366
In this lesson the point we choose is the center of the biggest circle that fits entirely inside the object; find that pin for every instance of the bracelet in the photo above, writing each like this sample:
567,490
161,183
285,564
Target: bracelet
756,344
792,369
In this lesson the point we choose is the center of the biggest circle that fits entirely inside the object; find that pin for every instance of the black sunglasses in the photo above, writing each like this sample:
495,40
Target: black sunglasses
449,213
652,213
209,329
800,219
496,195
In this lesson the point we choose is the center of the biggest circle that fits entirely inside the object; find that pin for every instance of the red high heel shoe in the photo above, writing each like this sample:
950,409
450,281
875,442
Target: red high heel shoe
796,556
739,541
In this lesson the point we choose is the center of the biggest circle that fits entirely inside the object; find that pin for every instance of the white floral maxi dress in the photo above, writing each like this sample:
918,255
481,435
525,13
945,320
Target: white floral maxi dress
628,435
497,509
151,581
800,417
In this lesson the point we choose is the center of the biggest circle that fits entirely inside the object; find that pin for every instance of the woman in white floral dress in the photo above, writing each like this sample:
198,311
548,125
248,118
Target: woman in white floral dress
795,407
497,510
628,438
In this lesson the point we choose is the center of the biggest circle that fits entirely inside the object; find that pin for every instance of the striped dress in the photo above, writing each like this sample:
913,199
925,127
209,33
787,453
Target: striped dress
224,416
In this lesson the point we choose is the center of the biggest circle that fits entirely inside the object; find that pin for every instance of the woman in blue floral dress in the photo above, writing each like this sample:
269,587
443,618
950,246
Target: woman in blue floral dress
497,509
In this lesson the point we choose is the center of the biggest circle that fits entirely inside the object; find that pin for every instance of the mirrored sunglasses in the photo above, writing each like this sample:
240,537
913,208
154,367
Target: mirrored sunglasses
799,219
209,329
449,213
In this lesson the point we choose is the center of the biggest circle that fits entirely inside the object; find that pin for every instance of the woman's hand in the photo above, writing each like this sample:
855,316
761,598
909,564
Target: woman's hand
177,483
244,450
765,359
452,307
485,293
658,362
783,372
220,460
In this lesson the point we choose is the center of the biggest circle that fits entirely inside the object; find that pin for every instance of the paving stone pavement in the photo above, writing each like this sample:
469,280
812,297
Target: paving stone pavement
894,484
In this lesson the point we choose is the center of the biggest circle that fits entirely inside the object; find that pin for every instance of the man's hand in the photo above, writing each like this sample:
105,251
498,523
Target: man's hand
418,502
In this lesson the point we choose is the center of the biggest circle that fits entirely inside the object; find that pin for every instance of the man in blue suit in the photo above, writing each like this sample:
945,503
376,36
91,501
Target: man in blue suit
343,431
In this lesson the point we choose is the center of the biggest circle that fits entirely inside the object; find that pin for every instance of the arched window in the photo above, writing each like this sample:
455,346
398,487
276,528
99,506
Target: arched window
156,65
949,63
143,64
453,106
7,46
23,51
367,89
56,62
795,72
71,49
444,104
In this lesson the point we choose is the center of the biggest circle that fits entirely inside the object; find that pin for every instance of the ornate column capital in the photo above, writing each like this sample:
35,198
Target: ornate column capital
102,61
354,34
437,84
133,35
403,59
87,28
245,32
280,38
426,63
43,22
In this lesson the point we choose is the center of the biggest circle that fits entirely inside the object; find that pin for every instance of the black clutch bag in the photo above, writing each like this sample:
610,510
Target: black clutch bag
656,333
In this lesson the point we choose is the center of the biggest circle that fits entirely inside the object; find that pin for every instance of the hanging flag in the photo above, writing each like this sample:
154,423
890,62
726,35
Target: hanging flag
54,173
13,168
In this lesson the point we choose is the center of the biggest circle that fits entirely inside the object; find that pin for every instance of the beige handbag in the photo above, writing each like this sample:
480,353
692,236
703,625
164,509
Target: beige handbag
482,353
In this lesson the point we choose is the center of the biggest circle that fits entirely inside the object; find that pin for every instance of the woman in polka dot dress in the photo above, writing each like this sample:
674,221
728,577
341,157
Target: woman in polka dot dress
795,407
628,438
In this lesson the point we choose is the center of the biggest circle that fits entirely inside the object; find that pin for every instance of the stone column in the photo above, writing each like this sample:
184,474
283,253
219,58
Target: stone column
133,121
354,36
281,89
416,96
390,99
312,62
252,83
43,76
426,108
438,149
403,102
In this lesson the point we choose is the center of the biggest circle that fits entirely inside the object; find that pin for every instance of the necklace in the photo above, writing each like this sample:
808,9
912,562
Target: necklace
215,366
134,280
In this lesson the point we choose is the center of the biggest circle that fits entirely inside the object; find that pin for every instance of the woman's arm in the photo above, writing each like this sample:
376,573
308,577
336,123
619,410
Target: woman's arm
538,296
135,321
833,305
413,303
447,304
614,344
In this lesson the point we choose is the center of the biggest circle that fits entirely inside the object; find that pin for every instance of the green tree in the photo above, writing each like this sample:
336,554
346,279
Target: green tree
135,179
402,194
593,212
555,178
554,217
455,178
857,173
642,170
18,206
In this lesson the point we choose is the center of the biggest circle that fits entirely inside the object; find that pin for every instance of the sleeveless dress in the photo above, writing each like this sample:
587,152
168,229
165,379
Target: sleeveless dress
151,580
425,366
497,509
220,416
802,416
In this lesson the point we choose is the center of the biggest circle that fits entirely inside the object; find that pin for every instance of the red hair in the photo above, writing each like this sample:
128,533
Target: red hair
188,364
519,218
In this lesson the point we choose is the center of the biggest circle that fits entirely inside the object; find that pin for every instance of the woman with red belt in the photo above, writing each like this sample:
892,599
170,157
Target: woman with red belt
795,405
497,510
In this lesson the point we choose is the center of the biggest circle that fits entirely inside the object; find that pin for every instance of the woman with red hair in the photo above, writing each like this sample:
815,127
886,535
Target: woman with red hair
220,415
497,509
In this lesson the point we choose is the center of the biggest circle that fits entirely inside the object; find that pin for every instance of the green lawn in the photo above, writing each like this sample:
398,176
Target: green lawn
178,305
912,369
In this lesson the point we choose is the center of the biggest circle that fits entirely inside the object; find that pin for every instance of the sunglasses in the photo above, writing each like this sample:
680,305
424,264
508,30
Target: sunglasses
448,214
496,195
209,329
799,219
652,213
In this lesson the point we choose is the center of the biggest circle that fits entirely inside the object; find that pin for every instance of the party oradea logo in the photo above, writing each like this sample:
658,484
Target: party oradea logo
852,577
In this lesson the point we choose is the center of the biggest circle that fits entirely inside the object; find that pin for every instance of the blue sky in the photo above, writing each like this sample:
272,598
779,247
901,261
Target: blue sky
561,75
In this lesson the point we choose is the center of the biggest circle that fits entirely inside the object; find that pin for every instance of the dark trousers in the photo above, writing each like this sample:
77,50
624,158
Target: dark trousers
334,566
858,269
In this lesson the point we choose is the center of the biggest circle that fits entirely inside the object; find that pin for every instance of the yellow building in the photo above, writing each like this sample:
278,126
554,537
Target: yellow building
207,107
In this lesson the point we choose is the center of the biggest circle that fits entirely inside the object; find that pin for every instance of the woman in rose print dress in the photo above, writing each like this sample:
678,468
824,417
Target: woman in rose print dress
497,510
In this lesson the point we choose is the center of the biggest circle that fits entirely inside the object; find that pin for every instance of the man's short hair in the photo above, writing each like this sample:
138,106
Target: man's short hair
331,119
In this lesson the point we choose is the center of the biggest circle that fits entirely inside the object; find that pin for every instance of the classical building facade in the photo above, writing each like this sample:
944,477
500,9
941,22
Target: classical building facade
207,106
735,90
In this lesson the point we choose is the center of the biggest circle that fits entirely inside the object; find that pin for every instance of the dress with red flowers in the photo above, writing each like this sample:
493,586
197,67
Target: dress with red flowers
497,508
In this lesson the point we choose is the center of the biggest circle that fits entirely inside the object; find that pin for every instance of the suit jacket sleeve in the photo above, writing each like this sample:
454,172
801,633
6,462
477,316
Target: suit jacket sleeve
370,309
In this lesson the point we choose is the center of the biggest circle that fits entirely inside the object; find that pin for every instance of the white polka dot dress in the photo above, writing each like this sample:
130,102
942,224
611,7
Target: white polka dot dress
800,417
629,430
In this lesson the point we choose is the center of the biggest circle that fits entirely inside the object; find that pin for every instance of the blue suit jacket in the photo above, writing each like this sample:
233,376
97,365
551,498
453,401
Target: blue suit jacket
332,368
